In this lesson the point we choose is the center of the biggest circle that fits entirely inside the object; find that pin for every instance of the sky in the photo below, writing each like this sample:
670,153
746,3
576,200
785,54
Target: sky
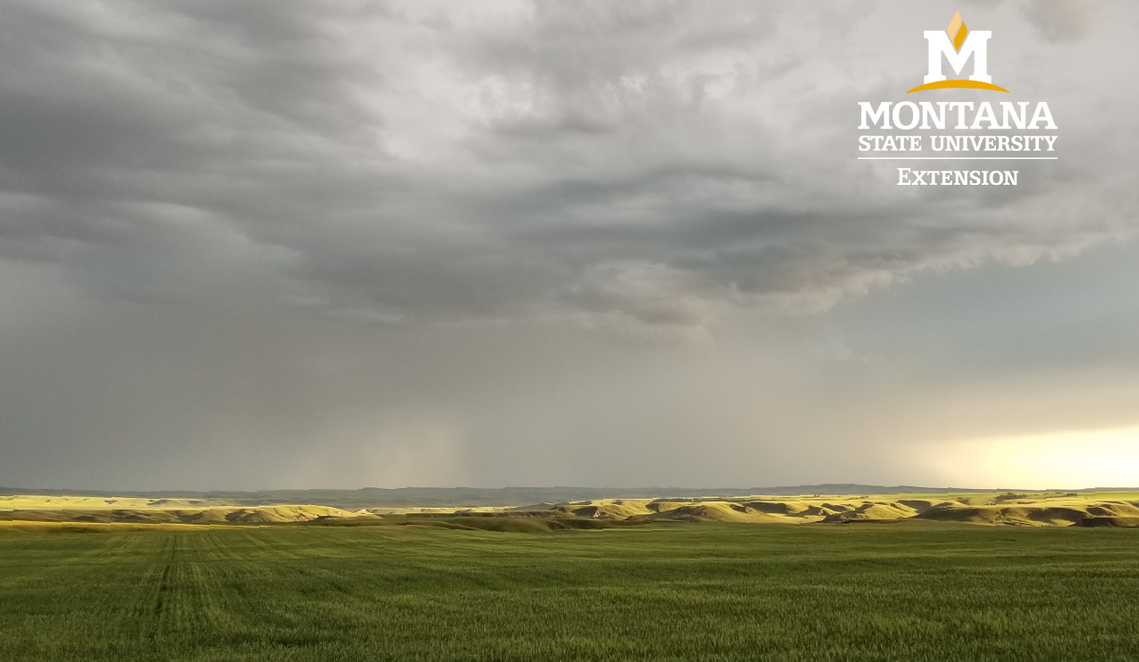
339,244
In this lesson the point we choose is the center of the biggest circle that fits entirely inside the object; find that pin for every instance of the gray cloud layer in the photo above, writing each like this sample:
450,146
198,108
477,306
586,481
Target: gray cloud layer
421,161
649,168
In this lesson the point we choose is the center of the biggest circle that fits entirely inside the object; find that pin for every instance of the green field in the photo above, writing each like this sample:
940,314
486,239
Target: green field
668,591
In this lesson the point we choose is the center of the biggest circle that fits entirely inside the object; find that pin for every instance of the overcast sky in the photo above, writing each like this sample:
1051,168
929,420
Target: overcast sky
290,244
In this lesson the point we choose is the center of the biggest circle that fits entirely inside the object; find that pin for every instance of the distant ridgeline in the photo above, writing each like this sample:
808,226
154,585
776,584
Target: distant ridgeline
442,497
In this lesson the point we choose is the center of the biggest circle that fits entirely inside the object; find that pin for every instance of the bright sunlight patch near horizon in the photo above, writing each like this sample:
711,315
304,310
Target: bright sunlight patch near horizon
1070,459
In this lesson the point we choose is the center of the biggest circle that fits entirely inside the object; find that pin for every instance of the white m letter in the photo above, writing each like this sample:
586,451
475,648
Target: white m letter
976,44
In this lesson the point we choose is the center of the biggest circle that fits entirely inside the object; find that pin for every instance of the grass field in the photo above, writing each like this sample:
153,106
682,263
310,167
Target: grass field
668,591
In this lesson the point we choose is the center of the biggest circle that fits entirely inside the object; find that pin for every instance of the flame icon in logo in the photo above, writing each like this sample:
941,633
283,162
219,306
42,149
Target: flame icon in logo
957,31
957,44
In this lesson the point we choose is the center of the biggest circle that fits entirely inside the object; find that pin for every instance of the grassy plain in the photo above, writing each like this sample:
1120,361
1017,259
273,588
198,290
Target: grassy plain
908,591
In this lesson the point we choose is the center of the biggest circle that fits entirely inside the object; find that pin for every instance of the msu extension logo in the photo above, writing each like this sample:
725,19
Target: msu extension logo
957,44
969,130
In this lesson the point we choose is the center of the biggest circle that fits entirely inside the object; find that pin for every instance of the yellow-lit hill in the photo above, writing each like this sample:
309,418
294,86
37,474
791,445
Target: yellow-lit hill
1115,509
1037,509
1065,512
155,511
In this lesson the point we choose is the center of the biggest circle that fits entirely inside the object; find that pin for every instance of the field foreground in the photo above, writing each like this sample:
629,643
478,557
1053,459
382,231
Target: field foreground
910,591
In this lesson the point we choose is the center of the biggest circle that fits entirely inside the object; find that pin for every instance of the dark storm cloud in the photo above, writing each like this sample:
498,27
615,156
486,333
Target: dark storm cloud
342,243
407,161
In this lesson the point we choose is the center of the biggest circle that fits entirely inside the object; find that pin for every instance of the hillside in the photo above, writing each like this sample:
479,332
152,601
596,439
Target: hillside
1117,509
443,497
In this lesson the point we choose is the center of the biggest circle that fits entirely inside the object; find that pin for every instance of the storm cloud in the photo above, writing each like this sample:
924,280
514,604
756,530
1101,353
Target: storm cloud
220,222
